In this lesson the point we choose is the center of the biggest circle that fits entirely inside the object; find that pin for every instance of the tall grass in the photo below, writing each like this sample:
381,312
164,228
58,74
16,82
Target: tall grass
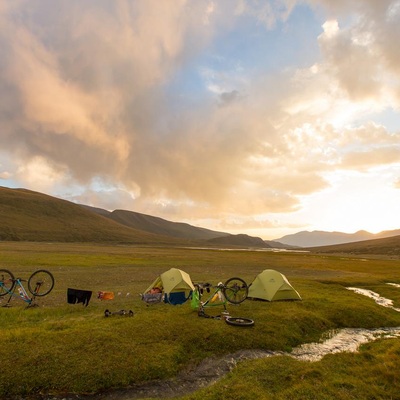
58,347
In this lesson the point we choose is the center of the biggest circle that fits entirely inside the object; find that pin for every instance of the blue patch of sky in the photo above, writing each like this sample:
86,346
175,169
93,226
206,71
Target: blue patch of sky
10,183
250,49
389,118
292,43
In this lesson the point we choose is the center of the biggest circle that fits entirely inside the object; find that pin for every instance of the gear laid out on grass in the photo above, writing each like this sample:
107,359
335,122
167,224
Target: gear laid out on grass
127,313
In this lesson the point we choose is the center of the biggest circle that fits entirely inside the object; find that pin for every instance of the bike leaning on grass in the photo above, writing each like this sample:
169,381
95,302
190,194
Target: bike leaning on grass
40,284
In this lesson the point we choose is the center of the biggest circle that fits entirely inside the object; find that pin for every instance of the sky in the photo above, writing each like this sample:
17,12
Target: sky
263,117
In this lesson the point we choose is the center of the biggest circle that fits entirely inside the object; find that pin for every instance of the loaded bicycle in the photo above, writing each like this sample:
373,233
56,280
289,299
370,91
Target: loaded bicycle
40,284
234,291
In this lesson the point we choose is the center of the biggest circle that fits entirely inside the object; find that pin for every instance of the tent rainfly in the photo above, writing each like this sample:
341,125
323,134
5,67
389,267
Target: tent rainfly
271,285
175,284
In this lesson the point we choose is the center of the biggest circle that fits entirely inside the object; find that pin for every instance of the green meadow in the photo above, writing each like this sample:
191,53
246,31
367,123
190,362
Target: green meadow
60,349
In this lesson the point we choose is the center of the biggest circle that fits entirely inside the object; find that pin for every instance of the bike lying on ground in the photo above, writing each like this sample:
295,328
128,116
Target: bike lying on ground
234,291
40,284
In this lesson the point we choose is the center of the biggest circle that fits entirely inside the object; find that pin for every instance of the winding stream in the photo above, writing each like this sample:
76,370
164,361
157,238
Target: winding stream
211,370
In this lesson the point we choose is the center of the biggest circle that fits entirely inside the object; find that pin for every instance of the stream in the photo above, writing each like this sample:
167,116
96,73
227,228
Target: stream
212,369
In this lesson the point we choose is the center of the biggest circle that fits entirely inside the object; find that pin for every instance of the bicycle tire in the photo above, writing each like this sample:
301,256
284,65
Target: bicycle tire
41,283
238,321
7,282
235,290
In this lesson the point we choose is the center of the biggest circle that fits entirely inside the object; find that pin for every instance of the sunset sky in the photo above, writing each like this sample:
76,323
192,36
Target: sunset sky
258,117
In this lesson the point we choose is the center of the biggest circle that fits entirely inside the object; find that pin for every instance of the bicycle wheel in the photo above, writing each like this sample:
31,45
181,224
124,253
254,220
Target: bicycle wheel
238,321
6,282
41,283
235,290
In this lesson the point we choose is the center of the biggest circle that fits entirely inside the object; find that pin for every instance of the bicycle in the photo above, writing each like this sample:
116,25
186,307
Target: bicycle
234,291
40,284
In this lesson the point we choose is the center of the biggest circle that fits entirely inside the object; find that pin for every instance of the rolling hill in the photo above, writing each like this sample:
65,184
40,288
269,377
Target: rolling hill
389,246
240,240
157,225
26,215
31,216
322,238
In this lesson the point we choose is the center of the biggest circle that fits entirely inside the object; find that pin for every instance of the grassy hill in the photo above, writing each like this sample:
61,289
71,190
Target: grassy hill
158,225
239,240
31,216
387,246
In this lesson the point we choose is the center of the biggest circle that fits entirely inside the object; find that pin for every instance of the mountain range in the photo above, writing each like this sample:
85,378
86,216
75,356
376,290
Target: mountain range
322,238
26,215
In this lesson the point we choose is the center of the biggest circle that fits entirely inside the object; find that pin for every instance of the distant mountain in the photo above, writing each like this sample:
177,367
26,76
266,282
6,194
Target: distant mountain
157,225
279,245
31,216
322,238
239,240
161,226
389,246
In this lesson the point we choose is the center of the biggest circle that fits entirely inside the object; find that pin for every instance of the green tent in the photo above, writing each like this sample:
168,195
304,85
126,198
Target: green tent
271,285
175,284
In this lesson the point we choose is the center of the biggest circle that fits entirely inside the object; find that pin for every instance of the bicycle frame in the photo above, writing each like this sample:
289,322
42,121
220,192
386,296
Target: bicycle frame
216,297
234,291
22,293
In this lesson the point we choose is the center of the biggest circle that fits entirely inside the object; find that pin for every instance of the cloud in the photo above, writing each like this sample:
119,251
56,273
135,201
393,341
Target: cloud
268,13
229,97
362,55
86,100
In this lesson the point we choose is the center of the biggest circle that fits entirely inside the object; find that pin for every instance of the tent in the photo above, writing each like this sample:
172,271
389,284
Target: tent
271,285
175,284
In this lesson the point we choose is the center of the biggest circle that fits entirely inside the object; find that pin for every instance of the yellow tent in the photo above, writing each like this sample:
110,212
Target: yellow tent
271,285
173,280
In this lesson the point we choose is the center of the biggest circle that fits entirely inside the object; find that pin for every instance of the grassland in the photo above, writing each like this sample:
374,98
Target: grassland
59,348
